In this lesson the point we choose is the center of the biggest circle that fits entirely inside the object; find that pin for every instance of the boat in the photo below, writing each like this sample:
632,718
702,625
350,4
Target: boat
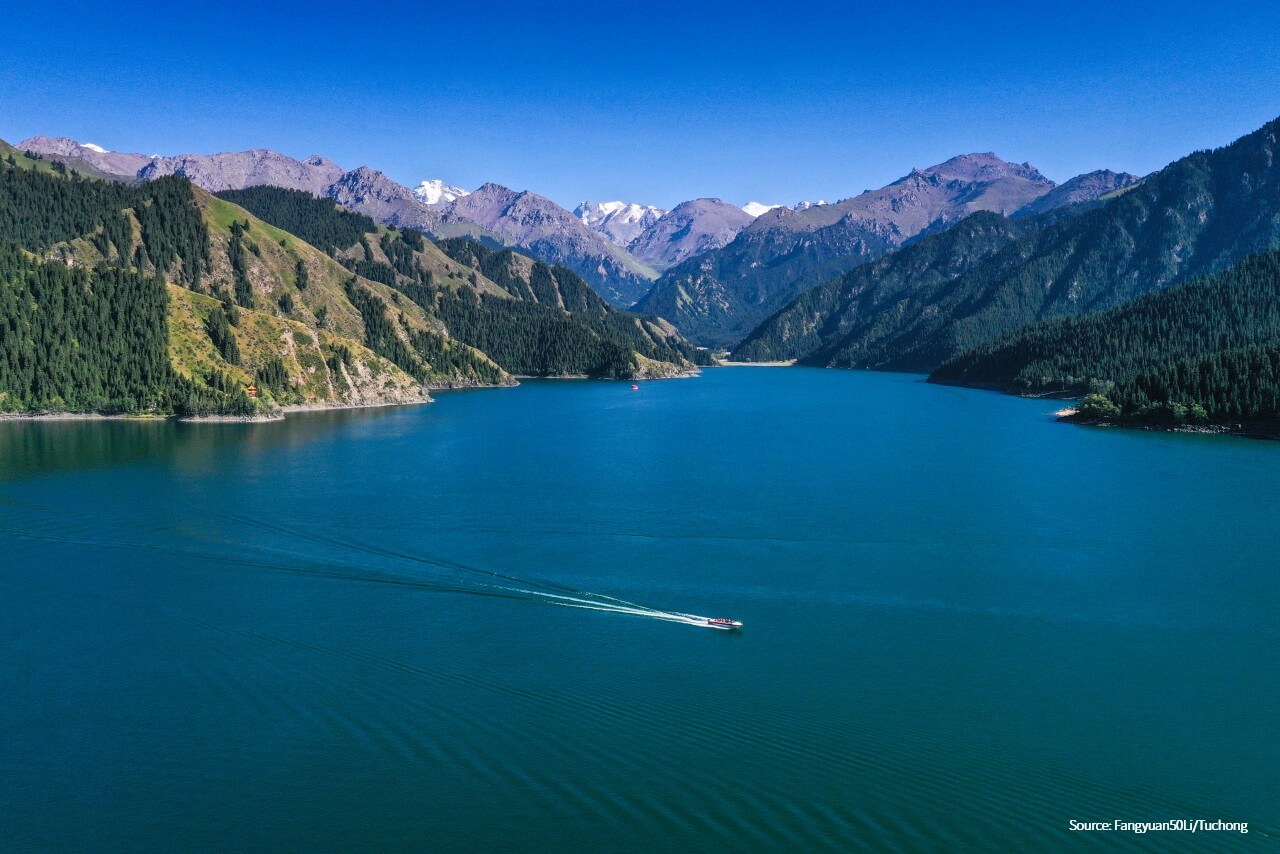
635,387
723,623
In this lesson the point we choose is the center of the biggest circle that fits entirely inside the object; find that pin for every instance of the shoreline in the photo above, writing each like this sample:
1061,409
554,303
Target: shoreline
784,363
681,375
280,413
1240,431
264,418
1071,415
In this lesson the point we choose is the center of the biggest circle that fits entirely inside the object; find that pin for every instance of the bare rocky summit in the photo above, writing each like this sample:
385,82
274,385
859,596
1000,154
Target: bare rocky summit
373,194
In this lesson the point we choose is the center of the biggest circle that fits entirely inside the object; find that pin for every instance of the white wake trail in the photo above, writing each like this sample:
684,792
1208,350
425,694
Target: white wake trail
592,605
686,619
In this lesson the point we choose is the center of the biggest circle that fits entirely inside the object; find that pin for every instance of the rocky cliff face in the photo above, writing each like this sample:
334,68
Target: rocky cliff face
240,169
690,229
373,194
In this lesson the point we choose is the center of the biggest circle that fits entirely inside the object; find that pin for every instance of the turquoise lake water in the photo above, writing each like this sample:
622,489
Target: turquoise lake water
966,625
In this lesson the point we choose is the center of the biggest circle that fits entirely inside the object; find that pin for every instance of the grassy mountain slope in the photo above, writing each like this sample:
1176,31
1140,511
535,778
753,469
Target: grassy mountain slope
319,367
333,299
531,318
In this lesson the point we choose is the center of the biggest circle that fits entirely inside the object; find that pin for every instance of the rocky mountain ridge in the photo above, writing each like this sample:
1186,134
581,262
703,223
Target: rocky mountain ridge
494,213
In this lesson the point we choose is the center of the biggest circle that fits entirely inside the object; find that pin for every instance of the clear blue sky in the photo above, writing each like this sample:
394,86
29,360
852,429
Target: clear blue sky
650,101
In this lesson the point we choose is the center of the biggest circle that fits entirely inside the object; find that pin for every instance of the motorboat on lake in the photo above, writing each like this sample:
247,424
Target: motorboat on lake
723,623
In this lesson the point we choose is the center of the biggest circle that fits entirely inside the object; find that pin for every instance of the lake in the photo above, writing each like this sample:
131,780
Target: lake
965,624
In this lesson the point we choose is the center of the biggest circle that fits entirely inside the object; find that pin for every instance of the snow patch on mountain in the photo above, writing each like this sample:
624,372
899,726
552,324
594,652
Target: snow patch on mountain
437,192
97,148
756,208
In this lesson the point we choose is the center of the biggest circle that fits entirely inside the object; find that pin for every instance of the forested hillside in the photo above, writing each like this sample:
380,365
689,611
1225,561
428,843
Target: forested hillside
1197,216
75,339
315,219
818,321
89,322
1171,355
1232,390
155,228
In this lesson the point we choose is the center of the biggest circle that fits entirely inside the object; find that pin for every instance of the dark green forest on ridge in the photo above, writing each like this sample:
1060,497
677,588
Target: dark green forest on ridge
318,221
1139,357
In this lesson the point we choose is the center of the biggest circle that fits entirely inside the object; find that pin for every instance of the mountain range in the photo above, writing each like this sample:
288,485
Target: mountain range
495,214
718,297
725,267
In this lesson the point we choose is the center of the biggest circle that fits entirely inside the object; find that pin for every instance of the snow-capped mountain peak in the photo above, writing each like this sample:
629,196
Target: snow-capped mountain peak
437,192
629,212
97,148
620,222
804,206
756,208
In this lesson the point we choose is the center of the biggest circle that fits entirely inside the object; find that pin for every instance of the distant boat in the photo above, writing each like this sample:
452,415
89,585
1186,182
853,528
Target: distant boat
723,624
635,387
